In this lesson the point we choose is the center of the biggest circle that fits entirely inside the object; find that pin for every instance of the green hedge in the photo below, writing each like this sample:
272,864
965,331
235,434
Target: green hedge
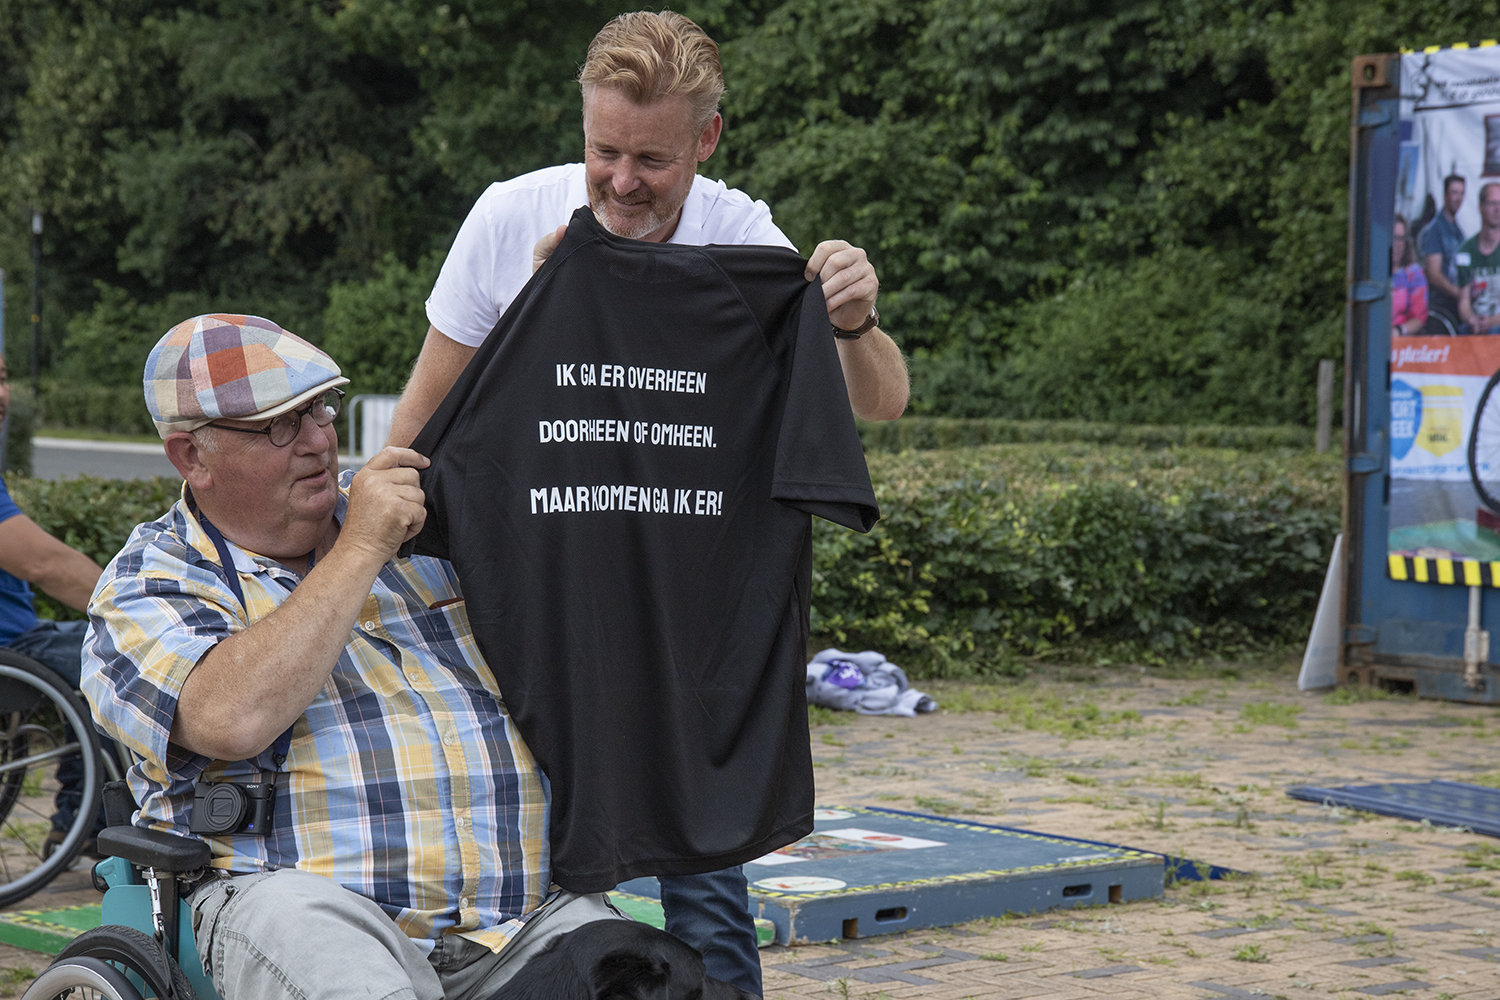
945,432
93,515
18,433
109,408
985,554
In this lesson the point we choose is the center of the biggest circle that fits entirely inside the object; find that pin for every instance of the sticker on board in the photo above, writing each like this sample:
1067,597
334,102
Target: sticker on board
832,814
799,883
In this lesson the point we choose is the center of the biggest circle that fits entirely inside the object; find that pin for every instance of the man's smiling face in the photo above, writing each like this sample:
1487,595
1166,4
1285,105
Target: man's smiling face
640,160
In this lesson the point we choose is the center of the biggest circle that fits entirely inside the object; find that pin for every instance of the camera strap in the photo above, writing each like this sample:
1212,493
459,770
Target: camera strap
283,742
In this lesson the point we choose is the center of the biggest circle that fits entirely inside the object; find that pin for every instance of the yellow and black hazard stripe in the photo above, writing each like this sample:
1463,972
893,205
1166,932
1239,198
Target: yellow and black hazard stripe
1460,572
1487,43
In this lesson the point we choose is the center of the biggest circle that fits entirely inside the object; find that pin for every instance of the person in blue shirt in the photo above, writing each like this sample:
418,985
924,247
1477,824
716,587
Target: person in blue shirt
28,555
1436,246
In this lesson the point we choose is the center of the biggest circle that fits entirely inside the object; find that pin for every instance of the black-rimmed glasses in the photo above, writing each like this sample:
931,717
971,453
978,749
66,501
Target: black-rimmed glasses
284,428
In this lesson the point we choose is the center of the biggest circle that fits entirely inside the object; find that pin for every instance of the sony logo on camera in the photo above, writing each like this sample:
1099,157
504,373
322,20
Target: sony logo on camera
232,807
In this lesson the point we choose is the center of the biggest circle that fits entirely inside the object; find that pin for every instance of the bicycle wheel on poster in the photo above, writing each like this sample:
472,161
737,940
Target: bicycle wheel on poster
1484,446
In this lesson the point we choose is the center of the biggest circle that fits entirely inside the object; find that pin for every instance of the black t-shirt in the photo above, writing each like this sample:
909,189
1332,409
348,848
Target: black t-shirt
622,477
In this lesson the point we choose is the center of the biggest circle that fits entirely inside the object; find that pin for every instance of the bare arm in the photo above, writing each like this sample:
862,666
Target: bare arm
438,366
874,371
28,552
249,688
1465,307
1432,266
875,375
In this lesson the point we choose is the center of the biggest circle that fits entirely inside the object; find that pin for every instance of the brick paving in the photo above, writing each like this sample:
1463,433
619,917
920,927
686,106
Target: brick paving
1337,902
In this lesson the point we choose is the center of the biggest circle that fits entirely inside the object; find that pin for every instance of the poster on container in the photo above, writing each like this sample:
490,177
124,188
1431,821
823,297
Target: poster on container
1445,321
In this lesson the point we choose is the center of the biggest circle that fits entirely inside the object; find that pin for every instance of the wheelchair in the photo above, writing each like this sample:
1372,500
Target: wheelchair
42,719
145,948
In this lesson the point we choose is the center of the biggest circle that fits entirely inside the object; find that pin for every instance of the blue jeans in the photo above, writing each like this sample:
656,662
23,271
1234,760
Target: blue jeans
59,646
712,913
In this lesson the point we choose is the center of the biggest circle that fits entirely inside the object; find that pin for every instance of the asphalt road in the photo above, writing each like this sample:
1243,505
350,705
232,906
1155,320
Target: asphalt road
57,458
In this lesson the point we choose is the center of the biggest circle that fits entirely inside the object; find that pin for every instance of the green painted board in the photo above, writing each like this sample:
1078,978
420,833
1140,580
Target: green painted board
646,910
48,931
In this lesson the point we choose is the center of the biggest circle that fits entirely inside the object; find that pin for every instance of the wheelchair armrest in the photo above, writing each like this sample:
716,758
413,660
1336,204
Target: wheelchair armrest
166,852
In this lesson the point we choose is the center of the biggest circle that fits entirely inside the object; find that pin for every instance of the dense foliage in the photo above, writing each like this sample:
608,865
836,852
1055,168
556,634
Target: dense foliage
927,433
1126,210
1078,550
93,515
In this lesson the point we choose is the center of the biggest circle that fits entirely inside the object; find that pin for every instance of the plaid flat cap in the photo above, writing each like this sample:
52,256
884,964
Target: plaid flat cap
230,367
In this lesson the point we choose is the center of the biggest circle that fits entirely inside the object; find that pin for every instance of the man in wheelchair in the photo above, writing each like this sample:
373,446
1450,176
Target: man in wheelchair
317,707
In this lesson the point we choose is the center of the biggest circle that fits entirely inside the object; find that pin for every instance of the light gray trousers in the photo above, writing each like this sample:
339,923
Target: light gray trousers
293,934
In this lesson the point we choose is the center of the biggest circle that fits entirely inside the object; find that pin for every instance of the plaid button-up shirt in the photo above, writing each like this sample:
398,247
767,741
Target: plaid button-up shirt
406,780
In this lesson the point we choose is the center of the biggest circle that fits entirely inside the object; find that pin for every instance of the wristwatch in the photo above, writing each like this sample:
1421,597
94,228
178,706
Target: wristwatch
870,322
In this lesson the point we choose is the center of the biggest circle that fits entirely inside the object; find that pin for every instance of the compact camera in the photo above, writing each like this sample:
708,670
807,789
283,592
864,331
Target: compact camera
233,807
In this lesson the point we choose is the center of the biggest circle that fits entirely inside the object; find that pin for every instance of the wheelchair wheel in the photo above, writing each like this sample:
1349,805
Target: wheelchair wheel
82,979
37,708
137,954
1484,446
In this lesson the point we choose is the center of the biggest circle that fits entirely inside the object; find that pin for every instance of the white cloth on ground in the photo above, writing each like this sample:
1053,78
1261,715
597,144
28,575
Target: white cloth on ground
865,682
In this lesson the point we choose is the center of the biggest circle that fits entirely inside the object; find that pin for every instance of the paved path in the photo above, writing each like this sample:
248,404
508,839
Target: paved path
56,458
1339,903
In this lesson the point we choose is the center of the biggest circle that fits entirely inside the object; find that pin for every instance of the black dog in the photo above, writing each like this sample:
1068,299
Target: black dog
617,960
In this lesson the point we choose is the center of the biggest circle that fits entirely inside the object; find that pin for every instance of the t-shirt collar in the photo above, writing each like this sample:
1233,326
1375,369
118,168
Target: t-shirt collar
689,231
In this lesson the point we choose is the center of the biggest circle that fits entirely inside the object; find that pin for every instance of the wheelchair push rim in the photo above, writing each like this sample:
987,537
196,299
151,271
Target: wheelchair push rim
26,689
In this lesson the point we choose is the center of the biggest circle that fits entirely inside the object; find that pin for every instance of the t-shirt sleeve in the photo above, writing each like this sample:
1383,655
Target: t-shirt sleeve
155,616
8,508
1429,241
820,466
759,230
462,304
490,260
1464,260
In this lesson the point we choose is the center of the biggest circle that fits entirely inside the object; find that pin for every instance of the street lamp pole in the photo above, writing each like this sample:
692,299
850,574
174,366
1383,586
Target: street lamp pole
36,304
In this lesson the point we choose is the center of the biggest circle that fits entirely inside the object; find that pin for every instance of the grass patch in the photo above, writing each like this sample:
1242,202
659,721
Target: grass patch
942,807
817,715
1486,856
15,977
1251,953
1033,707
1415,877
1353,694
1269,713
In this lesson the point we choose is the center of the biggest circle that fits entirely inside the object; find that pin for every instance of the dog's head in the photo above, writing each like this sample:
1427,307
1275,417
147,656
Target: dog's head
650,964
618,960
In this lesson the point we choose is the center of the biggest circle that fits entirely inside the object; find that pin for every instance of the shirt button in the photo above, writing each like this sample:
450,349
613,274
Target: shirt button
463,902
449,739
369,626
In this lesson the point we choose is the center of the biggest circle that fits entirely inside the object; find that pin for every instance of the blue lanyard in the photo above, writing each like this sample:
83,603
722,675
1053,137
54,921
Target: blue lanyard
283,742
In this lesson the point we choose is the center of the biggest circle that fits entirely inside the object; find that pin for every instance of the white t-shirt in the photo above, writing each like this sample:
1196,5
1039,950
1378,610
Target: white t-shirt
491,257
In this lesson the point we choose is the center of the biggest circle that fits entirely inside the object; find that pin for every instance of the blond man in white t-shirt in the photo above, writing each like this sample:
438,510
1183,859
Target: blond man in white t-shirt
651,89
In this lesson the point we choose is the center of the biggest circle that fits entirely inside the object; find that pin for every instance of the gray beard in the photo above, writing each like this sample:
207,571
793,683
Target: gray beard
634,229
